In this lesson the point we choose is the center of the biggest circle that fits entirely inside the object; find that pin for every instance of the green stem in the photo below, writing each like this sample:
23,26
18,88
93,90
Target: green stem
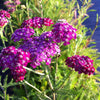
56,68
33,71
5,95
94,30
27,7
41,7
11,27
1,34
36,89
48,78
78,44
26,91
49,81
64,80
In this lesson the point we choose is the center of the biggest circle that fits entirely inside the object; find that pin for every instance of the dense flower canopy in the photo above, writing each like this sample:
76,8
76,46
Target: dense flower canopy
40,48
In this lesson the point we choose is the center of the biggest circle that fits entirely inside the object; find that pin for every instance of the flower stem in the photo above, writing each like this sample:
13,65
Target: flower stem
36,89
2,37
33,71
26,91
41,7
49,81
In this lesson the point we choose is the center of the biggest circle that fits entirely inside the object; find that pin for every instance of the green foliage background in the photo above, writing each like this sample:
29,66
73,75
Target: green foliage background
67,84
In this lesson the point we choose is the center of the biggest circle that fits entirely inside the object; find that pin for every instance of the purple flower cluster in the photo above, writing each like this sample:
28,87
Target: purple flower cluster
27,23
63,32
11,5
41,49
37,22
82,64
14,59
22,33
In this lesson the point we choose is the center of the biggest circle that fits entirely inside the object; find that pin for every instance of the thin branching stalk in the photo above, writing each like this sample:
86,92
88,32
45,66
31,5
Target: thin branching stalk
27,7
36,89
5,95
48,78
33,71
64,80
56,70
1,34
10,24
96,25
26,91
49,81
41,7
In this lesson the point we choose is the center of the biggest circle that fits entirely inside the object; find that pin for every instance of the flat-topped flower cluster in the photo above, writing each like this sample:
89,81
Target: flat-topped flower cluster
37,22
14,59
4,16
11,5
82,64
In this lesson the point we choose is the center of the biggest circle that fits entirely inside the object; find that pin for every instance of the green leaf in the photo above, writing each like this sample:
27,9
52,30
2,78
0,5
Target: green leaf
4,38
24,98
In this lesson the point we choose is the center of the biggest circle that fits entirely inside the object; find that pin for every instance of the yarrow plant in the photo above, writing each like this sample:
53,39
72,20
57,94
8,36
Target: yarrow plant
38,62
82,64
14,59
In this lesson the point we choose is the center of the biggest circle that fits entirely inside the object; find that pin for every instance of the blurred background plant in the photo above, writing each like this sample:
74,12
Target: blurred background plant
58,81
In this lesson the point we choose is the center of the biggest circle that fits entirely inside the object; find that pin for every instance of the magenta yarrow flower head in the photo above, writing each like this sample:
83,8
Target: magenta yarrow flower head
47,21
17,2
3,21
3,18
82,64
11,5
12,2
27,23
37,22
41,49
22,33
5,14
18,73
14,59
11,10
7,2
63,32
